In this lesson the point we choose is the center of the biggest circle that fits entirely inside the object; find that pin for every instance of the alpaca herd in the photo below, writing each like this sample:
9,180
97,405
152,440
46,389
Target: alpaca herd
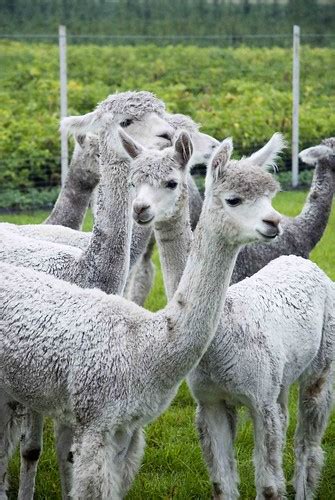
77,345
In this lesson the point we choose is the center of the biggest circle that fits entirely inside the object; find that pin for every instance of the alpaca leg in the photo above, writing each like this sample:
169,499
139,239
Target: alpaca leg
10,426
315,401
216,425
132,460
268,429
30,447
98,464
64,439
283,403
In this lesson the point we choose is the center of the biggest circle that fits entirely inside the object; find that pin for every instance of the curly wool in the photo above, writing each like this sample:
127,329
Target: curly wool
182,122
133,103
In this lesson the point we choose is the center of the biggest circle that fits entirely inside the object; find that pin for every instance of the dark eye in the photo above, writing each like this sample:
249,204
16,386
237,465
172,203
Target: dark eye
171,184
126,123
233,202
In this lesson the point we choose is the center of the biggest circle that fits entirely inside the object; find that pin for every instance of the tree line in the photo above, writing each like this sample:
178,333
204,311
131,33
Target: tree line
166,17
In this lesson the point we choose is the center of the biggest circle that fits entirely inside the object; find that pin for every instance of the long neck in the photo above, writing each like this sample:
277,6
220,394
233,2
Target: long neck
74,197
195,201
194,311
174,238
105,263
313,219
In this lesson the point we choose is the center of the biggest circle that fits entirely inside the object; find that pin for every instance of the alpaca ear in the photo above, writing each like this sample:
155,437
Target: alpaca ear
312,155
132,148
80,139
221,157
80,125
183,148
267,155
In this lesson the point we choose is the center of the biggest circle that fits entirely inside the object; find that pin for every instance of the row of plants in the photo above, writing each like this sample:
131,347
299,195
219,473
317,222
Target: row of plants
242,92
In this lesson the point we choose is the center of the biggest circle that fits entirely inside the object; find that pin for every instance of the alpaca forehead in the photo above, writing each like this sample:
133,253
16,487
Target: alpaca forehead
179,121
131,104
248,181
153,169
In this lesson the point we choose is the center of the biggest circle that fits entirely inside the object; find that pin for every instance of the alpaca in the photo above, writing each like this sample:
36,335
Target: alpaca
110,240
105,261
141,278
74,197
303,232
276,328
98,363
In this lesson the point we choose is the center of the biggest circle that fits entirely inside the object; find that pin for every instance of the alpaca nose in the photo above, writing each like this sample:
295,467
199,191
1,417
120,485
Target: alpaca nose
272,224
140,207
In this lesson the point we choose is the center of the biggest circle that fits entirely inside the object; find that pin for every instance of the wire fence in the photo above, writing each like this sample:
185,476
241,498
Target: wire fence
41,169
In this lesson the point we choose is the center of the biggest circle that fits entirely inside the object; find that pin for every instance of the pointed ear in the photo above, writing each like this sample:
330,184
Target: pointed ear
221,157
183,148
267,155
312,155
133,148
80,125
80,139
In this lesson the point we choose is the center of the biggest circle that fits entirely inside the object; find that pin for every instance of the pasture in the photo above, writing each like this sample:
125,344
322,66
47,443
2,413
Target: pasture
173,467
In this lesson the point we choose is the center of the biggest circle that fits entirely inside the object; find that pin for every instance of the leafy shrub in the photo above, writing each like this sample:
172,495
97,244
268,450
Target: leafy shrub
242,92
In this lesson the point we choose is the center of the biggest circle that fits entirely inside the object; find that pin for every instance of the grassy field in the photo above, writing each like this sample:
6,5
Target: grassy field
173,466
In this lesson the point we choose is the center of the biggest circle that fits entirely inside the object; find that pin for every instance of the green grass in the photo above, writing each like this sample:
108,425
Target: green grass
173,466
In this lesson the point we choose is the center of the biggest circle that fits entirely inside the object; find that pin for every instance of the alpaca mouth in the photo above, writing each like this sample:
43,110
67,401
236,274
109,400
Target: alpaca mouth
268,236
144,222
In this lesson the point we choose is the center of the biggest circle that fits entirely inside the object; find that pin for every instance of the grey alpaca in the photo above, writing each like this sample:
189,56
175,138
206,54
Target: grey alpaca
98,363
105,261
276,328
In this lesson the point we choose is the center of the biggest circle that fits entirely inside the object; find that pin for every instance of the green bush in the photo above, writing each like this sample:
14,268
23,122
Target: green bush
13,199
242,92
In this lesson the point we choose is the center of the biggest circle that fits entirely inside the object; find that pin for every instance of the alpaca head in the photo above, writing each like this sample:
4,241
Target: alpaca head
159,178
203,144
140,113
325,152
239,193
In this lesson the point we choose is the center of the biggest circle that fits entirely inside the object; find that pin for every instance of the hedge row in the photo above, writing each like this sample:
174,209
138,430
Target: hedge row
243,92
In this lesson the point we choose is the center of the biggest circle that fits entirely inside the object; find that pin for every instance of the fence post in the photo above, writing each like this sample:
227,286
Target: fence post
63,98
295,106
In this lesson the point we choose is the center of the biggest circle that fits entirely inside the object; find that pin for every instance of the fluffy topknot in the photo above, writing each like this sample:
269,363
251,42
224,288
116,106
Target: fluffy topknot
132,103
179,121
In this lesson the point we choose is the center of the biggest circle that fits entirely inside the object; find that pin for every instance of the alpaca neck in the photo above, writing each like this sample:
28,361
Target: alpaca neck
194,311
105,263
72,202
313,218
174,238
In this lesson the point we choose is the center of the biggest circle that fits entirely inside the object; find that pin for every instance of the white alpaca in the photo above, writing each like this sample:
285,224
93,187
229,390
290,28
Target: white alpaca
84,175
105,261
103,365
276,328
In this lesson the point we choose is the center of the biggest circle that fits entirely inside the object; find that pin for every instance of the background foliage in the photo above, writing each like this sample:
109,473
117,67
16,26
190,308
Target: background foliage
166,17
243,92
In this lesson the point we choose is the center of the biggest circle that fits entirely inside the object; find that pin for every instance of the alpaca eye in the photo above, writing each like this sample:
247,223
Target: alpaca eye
126,123
171,184
233,202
